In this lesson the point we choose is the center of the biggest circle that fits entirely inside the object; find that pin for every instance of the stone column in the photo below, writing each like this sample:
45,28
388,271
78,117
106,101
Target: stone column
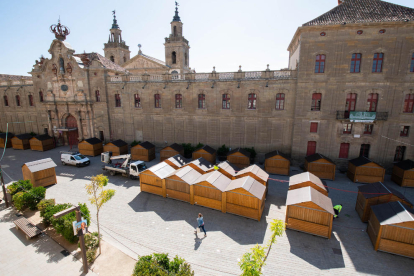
79,123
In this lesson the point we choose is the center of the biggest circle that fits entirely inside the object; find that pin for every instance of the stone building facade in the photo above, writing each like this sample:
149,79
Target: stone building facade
339,64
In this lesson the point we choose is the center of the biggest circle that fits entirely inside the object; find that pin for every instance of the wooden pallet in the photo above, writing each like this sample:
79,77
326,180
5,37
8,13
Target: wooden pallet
27,227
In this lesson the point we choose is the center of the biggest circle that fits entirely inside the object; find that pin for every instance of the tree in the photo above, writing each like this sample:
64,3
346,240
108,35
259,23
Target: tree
99,196
252,262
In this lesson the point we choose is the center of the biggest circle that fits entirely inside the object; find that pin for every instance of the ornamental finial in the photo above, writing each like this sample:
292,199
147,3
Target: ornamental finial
59,30
176,17
115,22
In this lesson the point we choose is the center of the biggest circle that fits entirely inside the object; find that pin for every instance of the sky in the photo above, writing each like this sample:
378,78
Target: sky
221,33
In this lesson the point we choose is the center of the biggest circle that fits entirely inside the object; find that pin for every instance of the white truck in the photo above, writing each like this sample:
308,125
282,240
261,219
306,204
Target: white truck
126,168
74,158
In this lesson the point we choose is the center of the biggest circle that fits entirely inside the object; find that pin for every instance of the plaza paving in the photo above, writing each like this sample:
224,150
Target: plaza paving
141,223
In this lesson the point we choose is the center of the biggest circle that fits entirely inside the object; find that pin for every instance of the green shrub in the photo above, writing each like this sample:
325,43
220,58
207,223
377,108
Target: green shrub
32,134
160,265
188,150
43,204
133,144
223,150
19,200
34,196
252,152
199,146
21,185
91,244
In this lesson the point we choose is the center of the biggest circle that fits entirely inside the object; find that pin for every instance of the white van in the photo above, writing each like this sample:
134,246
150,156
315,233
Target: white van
74,158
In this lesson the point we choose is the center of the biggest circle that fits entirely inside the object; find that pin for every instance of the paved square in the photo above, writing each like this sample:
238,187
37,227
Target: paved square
141,223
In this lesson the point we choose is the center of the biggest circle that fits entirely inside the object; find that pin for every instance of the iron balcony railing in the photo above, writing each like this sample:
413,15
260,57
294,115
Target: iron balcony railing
359,116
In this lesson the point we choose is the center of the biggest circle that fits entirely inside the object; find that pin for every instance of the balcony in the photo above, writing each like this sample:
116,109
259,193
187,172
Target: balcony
361,116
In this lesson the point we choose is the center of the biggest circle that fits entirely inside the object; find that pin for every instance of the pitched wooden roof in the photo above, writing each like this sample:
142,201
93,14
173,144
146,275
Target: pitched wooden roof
178,160
215,178
208,149
25,136
309,194
379,189
188,174
363,11
93,141
119,143
162,170
9,135
43,137
249,184
40,165
393,213
202,164
228,167
274,153
175,147
316,157
360,161
242,151
256,170
405,164
147,145
307,176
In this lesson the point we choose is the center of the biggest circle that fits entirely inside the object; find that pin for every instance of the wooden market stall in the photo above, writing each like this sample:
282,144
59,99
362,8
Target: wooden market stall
374,194
228,169
177,161
170,151
42,142
239,157
152,179
309,211
391,229
209,189
403,173
180,184
321,166
21,141
206,152
91,147
3,139
117,147
254,171
144,151
40,172
201,165
363,170
277,163
245,197
307,179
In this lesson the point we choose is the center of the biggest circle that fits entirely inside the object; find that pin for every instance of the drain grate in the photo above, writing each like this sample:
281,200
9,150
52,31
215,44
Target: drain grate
65,253
337,251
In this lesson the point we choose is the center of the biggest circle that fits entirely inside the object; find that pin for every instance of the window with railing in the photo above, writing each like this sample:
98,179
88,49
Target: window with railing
350,103
356,63
97,96
226,101
344,150
280,101
41,96
347,128
251,101
31,103
368,129
18,100
6,101
408,103
320,64
117,100
157,101
399,153
377,63
372,102
137,101
404,131
201,101
178,101
316,101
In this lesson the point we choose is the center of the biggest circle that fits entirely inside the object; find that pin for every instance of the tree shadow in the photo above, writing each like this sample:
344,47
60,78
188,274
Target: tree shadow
241,230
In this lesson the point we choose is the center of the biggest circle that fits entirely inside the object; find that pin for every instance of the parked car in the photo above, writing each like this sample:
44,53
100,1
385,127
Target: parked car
74,158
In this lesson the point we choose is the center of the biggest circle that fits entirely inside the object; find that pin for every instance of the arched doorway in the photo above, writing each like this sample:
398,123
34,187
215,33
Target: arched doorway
72,133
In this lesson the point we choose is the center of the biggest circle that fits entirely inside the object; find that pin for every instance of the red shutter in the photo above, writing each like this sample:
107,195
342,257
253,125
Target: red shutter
311,148
314,127
343,151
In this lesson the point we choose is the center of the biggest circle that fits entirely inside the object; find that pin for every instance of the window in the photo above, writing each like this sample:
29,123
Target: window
251,101
101,135
41,96
18,100
31,100
45,130
355,63
178,101
399,153
343,150
6,101
311,148
314,127
174,58
112,58
347,128
350,103
201,101
368,129
320,64
377,63
97,96
157,101
404,131
226,101
412,64
408,103
280,101
175,30
117,100
185,59
124,59
137,101
364,151
316,101
372,102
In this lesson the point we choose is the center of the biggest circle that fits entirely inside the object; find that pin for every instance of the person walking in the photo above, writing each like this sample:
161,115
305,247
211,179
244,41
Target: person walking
200,221
337,210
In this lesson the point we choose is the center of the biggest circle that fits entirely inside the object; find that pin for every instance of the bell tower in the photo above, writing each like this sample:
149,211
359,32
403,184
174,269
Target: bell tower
177,50
116,50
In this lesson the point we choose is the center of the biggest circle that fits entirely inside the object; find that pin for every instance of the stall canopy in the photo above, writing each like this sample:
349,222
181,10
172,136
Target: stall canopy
187,174
309,194
177,161
228,169
216,179
40,165
254,171
393,213
380,189
307,179
162,170
201,165
249,184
